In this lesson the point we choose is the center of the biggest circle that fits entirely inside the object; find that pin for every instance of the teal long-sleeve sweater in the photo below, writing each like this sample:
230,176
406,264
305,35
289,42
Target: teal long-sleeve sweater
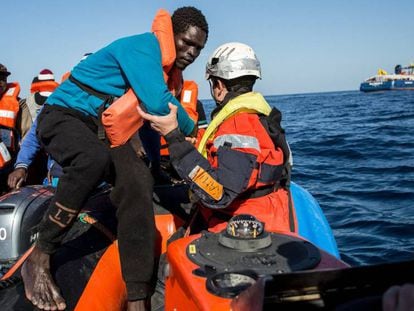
134,62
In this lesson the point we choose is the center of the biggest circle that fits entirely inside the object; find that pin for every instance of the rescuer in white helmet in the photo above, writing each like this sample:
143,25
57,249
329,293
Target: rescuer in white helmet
241,164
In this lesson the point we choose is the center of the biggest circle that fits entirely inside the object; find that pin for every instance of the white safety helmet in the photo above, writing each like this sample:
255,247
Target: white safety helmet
233,60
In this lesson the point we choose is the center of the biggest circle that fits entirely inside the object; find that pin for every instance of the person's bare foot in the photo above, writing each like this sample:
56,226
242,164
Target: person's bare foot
39,286
138,305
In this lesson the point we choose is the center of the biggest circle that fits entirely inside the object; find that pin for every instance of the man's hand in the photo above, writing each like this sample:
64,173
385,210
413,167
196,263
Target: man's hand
16,178
191,140
162,124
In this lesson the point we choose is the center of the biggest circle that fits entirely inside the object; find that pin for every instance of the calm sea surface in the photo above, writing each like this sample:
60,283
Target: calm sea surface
354,152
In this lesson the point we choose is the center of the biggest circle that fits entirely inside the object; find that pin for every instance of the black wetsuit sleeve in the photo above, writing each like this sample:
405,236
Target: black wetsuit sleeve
232,174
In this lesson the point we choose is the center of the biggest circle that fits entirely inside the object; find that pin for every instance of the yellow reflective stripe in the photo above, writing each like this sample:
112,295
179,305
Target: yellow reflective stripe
206,182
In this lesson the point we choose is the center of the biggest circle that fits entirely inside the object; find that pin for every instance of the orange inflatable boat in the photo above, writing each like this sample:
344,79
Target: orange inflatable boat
243,267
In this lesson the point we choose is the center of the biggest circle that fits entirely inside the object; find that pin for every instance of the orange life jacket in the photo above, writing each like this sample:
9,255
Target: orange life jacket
121,119
43,86
188,99
9,105
9,109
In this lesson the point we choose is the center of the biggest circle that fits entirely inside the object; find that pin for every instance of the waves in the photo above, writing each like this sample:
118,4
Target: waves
355,153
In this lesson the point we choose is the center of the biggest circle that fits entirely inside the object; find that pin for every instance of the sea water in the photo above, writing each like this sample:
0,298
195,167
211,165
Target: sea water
354,152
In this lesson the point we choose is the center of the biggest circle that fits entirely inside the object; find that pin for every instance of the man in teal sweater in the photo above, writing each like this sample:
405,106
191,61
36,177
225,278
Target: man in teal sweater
68,127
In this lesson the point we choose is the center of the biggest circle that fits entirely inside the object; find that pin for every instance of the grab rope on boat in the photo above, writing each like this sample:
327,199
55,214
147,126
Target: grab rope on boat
88,219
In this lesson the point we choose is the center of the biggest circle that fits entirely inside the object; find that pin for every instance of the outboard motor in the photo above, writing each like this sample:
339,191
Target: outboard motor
20,212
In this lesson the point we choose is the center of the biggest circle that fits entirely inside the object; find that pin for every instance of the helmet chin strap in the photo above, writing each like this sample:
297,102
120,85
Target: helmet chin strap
218,102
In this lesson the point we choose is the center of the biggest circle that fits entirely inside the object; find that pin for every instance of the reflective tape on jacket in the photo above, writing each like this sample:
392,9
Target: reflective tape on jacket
8,114
237,141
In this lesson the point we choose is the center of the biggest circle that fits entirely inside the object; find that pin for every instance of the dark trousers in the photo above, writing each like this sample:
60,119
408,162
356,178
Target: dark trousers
70,138
151,142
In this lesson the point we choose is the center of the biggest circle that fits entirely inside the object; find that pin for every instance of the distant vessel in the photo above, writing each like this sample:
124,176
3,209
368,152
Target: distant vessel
402,79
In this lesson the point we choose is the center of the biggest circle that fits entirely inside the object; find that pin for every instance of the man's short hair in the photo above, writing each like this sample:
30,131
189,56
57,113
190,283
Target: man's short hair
187,16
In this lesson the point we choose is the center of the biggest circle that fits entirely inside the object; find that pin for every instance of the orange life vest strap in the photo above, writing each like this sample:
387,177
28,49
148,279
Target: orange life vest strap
188,99
13,90
163,30
65,76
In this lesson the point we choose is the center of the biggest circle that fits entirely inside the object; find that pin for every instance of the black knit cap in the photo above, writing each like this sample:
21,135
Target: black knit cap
3,70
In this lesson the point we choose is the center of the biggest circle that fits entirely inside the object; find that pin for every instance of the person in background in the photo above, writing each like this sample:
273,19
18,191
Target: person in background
243,170
9,135
30,160
68,129
30,165
42,86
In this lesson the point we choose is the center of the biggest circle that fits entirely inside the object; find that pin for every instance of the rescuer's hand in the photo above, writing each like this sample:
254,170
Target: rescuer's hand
162,124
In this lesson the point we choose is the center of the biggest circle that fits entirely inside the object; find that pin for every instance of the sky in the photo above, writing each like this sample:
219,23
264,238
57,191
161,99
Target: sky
304,46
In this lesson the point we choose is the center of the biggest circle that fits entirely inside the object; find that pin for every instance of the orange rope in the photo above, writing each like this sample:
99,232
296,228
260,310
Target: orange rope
18,264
